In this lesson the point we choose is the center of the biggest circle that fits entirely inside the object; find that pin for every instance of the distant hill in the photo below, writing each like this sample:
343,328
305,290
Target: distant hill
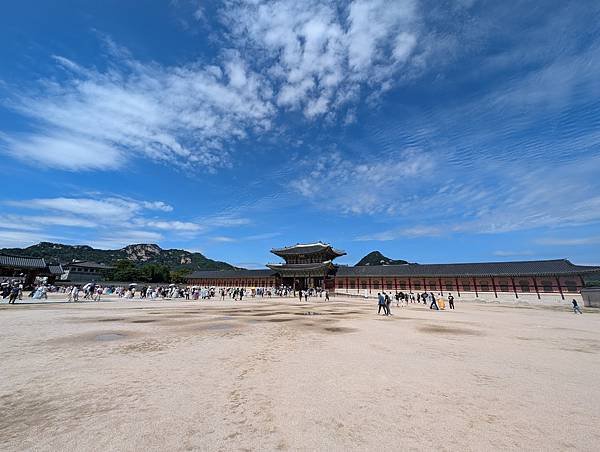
376,258
138,254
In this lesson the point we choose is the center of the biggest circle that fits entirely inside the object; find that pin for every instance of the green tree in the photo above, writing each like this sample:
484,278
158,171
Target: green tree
179,276
124,271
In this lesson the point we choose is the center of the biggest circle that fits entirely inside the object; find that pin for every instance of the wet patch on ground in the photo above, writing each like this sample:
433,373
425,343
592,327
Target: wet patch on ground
339,329
441,329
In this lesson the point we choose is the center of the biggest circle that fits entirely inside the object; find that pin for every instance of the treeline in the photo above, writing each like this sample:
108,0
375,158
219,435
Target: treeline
125,270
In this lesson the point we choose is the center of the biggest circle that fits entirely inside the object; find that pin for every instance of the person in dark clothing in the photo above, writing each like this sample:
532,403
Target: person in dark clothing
433,302
14,293
381,302
388,303
576,308
451,301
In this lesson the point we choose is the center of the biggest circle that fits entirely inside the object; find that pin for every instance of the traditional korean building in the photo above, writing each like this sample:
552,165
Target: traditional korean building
307,265
311,265
84,271
27,269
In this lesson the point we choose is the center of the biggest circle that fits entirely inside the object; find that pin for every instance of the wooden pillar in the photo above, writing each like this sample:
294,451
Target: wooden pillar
409,285
494,286
440,283
396,284
475,287
369,286
562,295
382,285
457,286
424,285
512,280
358,285
537,291
347,284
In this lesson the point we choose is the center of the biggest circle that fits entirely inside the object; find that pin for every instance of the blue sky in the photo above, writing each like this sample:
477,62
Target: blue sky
464,130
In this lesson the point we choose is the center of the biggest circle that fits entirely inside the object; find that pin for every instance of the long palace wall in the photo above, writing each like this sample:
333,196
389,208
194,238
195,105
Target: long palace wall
538,288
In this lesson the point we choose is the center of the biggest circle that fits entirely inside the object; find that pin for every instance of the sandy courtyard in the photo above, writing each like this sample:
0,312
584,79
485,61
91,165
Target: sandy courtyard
267,375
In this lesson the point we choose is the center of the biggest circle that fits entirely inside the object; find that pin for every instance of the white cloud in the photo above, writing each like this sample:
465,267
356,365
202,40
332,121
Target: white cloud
569,241
182,115
223,239
365,186
109,208
15,238
122,238
63,150
157,205
319,53
505,253
178,226
395,234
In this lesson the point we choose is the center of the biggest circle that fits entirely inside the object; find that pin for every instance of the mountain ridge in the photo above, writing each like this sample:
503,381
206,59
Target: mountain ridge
139,254
376,258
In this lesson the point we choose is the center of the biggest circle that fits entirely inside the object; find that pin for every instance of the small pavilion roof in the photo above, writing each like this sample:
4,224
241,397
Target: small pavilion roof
306,248
479,269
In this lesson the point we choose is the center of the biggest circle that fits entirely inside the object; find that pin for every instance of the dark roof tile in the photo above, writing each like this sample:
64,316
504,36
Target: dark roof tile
547,267
21,262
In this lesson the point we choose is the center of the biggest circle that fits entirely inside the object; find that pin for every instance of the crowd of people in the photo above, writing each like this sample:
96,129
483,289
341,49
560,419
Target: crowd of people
384,301
13,289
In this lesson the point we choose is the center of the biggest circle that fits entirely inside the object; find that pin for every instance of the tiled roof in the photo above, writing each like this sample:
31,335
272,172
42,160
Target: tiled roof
21,262
56,269
223,274
306,248
292,267
520,268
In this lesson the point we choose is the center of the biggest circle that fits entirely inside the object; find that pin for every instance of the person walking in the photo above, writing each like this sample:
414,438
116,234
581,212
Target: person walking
451,301
576,308
388,303
433,302
14,293
382,304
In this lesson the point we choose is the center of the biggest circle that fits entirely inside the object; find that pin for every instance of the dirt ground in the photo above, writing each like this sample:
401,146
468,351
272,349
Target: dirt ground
275,374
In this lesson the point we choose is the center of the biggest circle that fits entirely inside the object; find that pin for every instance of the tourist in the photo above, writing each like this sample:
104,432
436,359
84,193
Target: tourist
433,302
576,308
388,303
451,301
326,295
381,303
14,293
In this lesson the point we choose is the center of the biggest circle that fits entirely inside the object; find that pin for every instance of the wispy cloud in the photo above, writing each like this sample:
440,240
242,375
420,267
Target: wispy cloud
362,186
506,253
223,239
395,234
575,241
181,116
114,220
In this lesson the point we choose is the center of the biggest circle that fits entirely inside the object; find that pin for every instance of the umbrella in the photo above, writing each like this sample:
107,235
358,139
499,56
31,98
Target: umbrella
87,286
172,285
132,284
